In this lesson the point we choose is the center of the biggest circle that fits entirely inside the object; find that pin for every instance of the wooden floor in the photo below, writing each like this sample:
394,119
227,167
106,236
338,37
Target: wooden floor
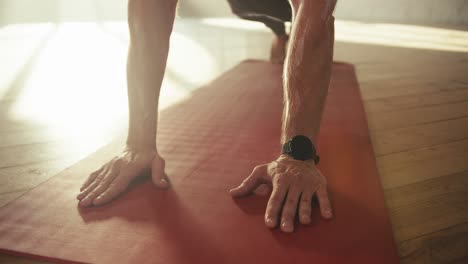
417,106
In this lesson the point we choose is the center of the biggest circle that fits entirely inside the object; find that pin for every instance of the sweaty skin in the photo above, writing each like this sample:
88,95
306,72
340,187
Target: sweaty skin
307,71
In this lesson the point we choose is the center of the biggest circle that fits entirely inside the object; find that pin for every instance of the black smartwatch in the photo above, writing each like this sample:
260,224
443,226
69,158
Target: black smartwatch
300,147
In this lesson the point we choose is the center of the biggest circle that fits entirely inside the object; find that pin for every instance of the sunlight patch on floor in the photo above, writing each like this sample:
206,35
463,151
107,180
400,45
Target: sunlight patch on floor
400,35
234,23
76,86
76,83
18,42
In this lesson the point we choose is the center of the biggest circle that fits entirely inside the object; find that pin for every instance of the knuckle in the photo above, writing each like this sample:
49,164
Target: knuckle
286,216
276,200
113,188
281,168
281,180
271,212
105,181
305,210
291,201
294,171
90,187
118,162
93,194
99,188
314,182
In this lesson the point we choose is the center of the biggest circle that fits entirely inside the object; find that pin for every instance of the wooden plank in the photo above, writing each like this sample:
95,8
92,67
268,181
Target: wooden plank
44,134
410,138
444,246
395,72
395,103
34,153
421,208
417,116
408,167
409,86
29,176
23,137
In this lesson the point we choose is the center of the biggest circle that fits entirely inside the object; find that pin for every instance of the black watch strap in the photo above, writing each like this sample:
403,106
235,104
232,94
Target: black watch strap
305,151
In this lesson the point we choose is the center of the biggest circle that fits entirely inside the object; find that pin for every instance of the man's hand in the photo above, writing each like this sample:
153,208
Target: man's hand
114,177
294,182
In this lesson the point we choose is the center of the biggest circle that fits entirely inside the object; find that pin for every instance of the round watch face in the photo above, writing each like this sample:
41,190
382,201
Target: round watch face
301,147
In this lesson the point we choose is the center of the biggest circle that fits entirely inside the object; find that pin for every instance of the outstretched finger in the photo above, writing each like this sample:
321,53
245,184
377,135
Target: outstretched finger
91,178
290,208
93,184
250,183
161,180
119,185
305,207
102,186
280,188
158,175
324,202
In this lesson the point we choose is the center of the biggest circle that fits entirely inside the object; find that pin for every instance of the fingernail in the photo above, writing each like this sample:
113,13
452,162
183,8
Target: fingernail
84,202
328,214
270,222
97,201
163,183
286,227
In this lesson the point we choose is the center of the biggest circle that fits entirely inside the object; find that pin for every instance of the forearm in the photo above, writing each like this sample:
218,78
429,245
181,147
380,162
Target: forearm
307,70
150,25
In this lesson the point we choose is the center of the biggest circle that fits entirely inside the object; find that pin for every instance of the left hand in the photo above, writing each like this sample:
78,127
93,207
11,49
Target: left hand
296,182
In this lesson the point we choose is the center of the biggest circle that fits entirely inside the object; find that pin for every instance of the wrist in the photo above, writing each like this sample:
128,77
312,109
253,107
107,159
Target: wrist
284,156
140,146
141,135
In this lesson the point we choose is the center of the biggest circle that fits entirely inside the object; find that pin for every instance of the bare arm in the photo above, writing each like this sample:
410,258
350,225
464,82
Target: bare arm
150,24
306,78
308,68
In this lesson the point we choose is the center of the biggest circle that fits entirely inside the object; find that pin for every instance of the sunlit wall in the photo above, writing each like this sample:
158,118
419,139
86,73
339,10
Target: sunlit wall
394,11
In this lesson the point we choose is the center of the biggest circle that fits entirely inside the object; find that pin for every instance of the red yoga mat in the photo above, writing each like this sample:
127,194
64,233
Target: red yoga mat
211,142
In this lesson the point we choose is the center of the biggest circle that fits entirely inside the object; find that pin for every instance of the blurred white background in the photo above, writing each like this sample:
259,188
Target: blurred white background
394,11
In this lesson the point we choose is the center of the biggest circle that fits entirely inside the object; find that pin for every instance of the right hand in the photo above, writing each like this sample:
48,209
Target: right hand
113,178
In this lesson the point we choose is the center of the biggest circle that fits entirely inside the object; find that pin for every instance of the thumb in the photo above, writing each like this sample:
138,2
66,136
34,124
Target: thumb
158,175
249,184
